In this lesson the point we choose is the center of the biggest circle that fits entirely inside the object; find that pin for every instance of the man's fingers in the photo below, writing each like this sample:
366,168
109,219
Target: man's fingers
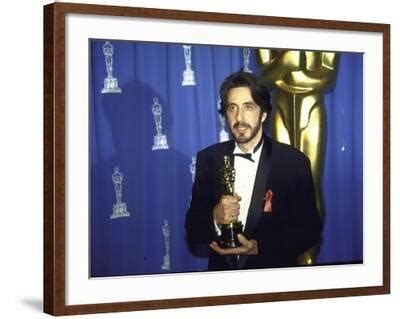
231,198
230,202
214,246
231,212
222,251
243,240
226,211
251,245
231,206
228,251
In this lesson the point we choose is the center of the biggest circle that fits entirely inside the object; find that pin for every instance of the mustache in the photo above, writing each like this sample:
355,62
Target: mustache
243,124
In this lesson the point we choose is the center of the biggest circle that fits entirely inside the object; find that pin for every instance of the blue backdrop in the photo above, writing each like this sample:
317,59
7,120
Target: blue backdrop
156,184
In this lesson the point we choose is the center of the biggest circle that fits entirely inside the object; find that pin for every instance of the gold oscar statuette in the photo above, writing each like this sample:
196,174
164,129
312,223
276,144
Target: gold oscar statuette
298,81
229,232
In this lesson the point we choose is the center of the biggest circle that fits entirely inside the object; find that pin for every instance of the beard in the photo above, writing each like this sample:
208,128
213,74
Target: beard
241,138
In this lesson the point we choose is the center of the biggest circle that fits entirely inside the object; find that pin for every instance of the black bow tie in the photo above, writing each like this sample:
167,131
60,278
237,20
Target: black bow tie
245,155
248,155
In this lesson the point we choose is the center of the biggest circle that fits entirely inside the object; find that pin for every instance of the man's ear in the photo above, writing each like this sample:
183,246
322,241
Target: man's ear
264,117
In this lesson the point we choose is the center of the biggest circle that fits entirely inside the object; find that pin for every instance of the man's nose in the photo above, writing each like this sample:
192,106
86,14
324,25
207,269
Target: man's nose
239,115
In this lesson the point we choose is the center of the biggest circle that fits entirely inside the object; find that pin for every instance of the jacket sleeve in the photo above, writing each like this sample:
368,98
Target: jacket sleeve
199,218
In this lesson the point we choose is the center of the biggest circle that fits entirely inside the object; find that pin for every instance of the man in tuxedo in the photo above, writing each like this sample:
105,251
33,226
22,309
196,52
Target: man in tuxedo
274,193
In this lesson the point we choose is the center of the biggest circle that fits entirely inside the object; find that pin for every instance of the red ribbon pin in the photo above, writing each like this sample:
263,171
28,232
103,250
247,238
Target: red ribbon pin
268,201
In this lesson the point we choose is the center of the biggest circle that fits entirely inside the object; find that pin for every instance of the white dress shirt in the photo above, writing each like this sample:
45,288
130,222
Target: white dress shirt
246,171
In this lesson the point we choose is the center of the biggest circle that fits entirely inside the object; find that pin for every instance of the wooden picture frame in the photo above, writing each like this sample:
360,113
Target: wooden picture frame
56,157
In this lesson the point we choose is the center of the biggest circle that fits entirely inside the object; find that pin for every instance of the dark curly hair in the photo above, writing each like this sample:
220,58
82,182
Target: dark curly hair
258,89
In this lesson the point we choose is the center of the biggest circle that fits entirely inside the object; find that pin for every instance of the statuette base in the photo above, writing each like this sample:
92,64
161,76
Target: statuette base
119,210
111,86
229,232
188,78
160,143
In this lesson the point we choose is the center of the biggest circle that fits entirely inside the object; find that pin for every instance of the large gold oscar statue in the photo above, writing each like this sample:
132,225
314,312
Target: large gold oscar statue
299,80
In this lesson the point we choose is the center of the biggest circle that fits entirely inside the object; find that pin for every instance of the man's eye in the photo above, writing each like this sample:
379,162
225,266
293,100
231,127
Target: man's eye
249,107
231,107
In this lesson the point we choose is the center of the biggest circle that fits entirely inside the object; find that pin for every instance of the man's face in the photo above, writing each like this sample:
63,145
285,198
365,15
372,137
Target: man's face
244,116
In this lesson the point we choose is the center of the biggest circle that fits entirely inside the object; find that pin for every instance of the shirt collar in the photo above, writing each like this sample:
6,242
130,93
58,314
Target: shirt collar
253,150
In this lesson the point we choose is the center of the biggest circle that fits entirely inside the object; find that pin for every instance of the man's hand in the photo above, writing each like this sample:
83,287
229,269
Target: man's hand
227,210
249,247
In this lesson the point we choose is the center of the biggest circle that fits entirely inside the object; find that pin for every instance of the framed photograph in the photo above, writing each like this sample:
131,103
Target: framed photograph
131,95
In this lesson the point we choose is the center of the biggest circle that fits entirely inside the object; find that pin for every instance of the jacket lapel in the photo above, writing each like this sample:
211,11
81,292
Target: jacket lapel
257,198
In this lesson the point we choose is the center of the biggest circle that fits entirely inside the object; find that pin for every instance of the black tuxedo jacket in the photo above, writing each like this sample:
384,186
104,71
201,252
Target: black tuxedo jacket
293,225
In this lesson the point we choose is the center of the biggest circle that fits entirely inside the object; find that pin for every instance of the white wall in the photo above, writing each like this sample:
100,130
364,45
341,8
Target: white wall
21,160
